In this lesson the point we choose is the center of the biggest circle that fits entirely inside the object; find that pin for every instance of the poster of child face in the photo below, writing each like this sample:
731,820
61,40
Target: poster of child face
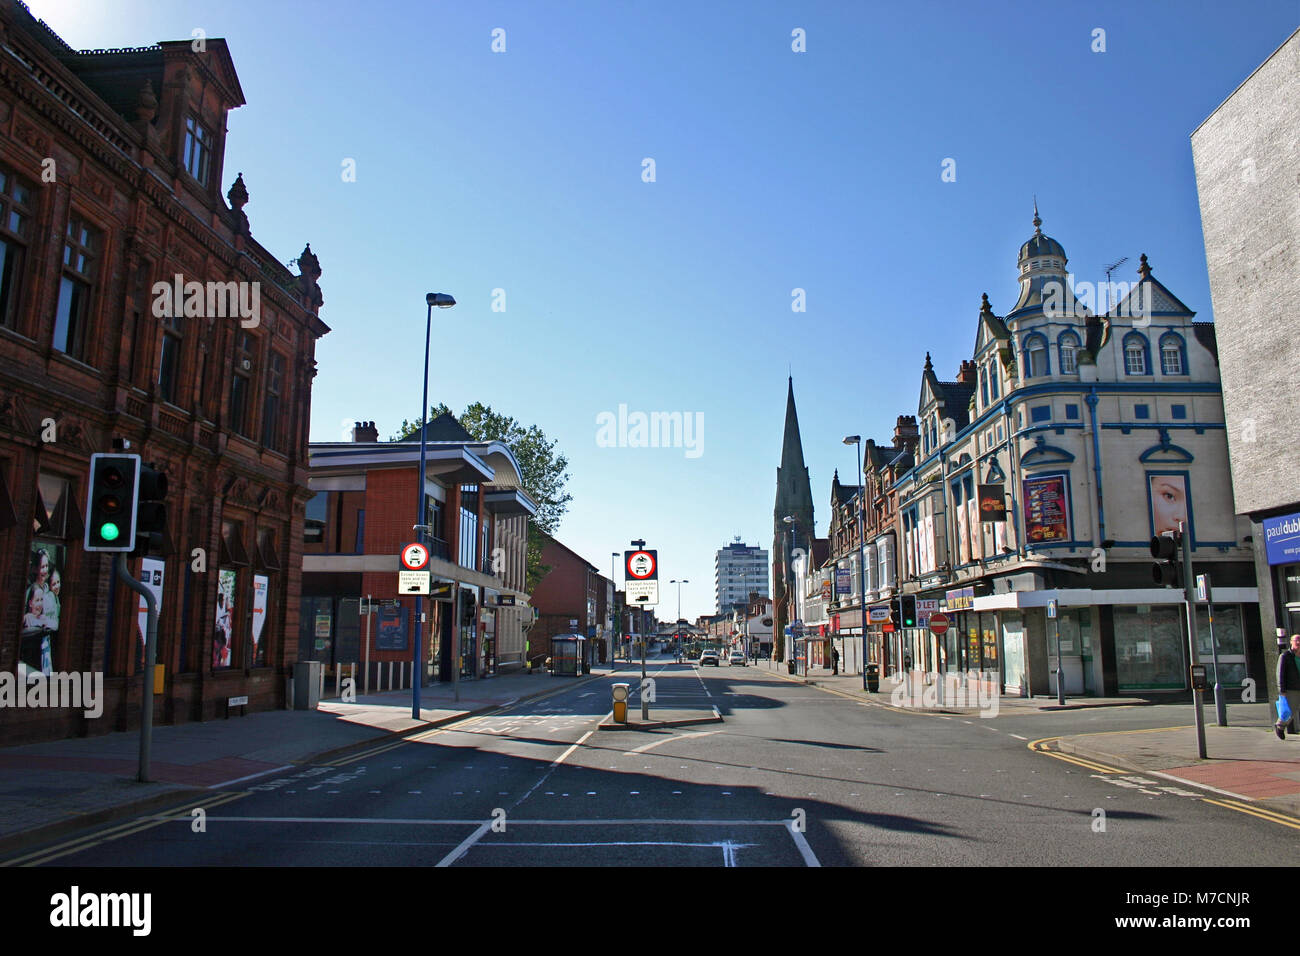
223,636
42,604
1168,502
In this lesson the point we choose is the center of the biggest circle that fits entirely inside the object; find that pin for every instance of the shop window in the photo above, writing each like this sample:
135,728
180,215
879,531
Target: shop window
57,522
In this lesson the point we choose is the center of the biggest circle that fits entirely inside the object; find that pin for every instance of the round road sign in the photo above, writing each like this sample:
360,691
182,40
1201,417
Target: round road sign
641,565
415,557
938,622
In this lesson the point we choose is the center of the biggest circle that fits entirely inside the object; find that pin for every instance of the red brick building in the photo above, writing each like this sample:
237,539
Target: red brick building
356,525
571,599
111,174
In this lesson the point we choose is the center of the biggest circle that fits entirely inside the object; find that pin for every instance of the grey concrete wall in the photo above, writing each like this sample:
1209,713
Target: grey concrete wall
1247,159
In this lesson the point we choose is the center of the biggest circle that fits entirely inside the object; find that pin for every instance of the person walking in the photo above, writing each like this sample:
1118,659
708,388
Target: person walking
835,660
1288,686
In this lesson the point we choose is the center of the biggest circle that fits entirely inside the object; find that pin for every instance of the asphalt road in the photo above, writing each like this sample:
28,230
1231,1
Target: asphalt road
793,776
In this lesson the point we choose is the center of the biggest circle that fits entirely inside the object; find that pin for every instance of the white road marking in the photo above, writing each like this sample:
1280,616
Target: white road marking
466,843
809,858
1018,737
251,776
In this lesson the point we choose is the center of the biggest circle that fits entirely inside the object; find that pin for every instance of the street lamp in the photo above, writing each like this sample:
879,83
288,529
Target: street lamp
613,610
442,301
679,600
856,440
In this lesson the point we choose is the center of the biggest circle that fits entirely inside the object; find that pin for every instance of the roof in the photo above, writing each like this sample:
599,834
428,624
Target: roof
446,427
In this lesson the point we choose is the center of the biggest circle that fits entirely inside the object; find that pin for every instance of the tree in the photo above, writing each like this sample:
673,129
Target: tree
543,472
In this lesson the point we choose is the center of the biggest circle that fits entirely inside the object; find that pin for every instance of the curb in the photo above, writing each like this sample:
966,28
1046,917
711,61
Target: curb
716,718
23,839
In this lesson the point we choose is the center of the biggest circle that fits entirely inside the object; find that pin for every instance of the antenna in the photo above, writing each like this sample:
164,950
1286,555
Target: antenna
1109,269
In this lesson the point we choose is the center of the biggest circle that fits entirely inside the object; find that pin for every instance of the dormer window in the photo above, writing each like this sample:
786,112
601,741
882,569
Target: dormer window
198,150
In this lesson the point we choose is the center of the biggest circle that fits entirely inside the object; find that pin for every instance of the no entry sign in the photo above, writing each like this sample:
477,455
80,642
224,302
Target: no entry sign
938,622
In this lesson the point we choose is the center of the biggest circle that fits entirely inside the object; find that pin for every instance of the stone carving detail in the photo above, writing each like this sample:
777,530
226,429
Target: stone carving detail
309,266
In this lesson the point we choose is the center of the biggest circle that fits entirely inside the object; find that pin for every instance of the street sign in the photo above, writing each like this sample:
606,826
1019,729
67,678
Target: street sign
1202,587
1051,609
642,565
879,614
938,622
413,582
799,629
642,592
415,557
441,591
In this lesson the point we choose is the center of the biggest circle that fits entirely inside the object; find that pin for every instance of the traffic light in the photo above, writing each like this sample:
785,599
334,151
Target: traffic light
111,502
909,610
151,513
1167,549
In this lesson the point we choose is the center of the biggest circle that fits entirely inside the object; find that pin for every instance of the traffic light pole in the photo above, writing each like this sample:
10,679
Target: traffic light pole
1189,598
150,659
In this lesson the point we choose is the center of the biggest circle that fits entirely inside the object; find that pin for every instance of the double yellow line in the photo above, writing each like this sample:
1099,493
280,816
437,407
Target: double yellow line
1042,746
85,842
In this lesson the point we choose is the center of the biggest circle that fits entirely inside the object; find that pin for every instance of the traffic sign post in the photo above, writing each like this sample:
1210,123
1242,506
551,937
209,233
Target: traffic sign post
642,566
1203,594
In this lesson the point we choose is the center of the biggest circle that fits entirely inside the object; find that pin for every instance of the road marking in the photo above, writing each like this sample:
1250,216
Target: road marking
1269,815
1041,746
251,776
805,851
41,857
650,746
1018,737
465,844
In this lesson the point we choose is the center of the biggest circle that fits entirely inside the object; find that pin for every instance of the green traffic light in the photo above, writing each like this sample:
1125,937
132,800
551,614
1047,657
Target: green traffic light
109,531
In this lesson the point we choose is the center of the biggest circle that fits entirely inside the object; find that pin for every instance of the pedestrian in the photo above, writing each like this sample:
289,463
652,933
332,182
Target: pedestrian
1288,686
835,660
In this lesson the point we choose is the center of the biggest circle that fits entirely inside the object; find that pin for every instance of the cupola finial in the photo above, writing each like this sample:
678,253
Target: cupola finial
1037,222
1144,270
928,366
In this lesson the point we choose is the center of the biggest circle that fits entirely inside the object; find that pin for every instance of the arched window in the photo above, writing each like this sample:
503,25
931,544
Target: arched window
984,385
1173,354
1135,354
993,378
1068,345
1036,363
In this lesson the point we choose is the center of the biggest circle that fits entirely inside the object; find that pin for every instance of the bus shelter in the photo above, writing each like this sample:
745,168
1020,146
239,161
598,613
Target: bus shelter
568,655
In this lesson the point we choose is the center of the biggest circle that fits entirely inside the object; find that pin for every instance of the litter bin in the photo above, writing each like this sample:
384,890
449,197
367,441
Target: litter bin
790,665
873,678
306,685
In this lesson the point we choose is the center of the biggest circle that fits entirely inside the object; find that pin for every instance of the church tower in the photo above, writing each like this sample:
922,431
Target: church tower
793,498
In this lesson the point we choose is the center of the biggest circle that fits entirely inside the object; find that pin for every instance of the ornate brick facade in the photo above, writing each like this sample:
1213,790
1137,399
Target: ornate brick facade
110,179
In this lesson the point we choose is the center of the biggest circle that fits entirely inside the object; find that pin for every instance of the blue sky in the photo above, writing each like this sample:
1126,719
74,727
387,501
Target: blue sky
775,170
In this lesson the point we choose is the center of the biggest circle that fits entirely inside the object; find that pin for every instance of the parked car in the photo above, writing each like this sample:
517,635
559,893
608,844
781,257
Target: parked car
737,659
709,657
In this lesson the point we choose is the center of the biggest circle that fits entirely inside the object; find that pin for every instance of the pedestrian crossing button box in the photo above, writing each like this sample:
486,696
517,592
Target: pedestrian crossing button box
1198,677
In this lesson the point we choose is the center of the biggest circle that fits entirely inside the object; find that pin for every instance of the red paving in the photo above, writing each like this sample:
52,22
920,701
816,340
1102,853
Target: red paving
203,774
1250,778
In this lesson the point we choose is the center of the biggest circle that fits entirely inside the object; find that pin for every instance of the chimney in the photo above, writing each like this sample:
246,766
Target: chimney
905,430
365,432
967,375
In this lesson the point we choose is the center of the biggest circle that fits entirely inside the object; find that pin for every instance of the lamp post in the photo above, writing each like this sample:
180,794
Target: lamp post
856,440
442,301
613,609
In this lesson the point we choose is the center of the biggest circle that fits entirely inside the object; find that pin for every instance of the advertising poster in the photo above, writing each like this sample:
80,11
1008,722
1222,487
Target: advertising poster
41,608
151,576
993,504
390,628
1168,495
261,584
224,634
1046,510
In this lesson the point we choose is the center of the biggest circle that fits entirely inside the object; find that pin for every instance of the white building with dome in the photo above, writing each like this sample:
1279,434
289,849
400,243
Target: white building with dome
1095,430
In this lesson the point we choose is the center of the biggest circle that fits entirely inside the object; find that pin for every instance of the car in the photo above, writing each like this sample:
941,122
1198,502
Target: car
709,657
737,658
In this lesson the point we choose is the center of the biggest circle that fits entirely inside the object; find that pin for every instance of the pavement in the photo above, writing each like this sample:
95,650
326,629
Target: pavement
51,788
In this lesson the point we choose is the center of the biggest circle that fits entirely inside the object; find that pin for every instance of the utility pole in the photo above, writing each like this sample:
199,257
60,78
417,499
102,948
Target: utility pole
1189,600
